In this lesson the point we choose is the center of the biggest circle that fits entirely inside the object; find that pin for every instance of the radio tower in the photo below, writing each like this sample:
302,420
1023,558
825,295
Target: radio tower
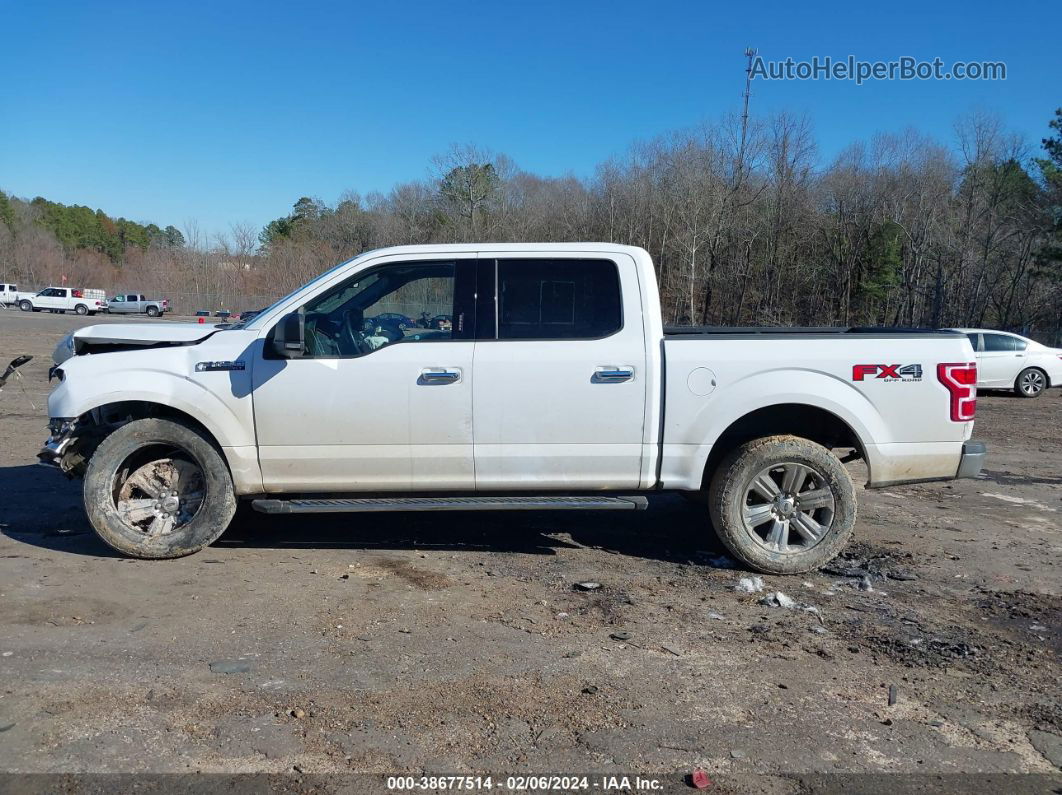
750,53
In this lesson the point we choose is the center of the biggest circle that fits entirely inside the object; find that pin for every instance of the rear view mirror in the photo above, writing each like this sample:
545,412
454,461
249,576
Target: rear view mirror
289,336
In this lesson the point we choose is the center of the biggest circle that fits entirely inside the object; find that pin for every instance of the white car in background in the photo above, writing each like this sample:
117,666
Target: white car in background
1010,361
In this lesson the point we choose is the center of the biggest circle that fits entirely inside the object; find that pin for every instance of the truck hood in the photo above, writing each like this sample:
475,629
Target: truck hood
124,336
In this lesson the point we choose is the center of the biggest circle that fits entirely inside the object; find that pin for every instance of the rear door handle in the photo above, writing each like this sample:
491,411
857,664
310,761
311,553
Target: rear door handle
439,376
612,375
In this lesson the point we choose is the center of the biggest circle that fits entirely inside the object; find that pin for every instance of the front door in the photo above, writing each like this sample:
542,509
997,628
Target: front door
382,397
560,376
50,298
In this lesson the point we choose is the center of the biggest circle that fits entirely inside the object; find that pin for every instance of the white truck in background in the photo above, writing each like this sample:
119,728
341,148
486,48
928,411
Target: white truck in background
555,386
137,304
82,300
10,295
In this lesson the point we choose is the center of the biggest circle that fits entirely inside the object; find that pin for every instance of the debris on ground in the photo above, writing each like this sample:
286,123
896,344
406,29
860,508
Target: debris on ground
778,599
699,779
230,667
587,586
749,585
620,634
893,695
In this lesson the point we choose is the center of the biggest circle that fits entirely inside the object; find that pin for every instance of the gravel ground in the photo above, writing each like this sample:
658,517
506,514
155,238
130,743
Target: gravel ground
406,643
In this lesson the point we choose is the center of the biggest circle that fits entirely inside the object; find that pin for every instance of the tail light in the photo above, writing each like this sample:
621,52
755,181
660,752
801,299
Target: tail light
961,382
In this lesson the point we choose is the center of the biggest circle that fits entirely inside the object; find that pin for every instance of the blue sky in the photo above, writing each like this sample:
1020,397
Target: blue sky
229,111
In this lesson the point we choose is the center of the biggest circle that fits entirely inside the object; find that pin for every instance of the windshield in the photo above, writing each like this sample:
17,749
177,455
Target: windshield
245,323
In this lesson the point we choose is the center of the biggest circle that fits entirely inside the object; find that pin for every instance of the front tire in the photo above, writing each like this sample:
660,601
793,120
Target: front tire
1030,383
25,306
782,504
157,488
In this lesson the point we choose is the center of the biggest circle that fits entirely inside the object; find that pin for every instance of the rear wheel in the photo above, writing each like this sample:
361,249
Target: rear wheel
152,311
81,309
782,504
1030,382
157,489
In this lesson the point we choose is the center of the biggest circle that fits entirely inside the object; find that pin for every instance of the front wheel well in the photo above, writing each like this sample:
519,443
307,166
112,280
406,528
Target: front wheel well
786,419
97,424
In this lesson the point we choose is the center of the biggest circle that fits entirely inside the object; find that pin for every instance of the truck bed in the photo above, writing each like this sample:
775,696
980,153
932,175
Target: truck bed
694,332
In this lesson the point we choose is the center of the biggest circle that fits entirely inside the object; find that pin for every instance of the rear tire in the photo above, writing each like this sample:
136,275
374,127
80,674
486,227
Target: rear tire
1030,383
81,309
157,488
782,504
152,311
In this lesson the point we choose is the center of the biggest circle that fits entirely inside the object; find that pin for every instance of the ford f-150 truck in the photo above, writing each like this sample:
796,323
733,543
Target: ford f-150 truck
555,386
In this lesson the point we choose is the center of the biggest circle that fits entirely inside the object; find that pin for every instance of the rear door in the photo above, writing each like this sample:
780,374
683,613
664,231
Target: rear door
559,388
1001,359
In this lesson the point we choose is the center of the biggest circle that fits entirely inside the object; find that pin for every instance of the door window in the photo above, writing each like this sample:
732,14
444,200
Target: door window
399,303
558,299
1001,342
975,340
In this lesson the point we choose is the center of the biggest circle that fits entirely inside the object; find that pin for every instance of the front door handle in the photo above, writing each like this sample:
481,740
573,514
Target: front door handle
612,375
439,376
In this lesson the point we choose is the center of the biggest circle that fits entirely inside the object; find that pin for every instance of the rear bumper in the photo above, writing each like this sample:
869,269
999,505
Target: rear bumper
973,458
894,464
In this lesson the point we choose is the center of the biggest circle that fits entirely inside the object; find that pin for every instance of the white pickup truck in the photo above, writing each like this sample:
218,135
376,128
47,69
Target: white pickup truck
554,386
10,295
83,301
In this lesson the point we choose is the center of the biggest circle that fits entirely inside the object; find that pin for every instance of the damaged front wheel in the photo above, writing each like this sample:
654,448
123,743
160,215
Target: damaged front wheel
155,488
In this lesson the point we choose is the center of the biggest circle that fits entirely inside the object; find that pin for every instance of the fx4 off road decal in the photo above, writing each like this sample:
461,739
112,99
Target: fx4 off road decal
887,372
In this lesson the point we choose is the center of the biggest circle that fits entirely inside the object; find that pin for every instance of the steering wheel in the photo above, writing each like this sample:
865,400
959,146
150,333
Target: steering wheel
351,335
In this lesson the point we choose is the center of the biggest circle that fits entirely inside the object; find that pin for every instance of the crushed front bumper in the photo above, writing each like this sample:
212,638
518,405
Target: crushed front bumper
61,430
973,458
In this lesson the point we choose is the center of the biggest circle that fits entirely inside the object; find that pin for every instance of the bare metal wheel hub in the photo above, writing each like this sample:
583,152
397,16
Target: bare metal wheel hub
158,493
789,507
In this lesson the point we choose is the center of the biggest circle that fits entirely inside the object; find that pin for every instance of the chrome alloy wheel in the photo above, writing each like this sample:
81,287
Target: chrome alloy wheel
788,508
158,495
1032,383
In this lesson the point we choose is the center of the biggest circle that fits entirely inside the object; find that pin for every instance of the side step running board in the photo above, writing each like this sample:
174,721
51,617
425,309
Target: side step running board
453,504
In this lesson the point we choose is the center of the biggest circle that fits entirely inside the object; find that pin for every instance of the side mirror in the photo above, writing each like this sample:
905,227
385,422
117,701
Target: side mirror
289,336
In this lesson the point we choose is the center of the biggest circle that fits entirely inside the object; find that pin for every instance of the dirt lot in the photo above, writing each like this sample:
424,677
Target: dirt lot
407,643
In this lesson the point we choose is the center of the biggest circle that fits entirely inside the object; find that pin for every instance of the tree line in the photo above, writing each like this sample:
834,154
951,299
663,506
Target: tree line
746,225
